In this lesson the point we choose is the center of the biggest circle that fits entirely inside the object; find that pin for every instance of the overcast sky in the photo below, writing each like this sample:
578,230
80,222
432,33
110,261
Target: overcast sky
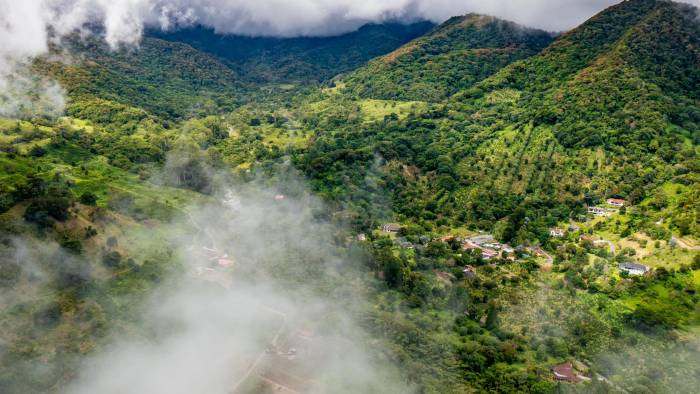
23,23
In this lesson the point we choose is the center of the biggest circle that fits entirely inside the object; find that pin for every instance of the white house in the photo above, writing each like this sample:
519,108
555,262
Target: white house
556,232
600,211
634,269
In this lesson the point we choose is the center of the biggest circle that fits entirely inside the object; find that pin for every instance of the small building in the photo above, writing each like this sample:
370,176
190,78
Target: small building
617,202
634,269
536,250
565,372
598,211
391,228
361,237
556,232
601,211
589,238
279,197
469,272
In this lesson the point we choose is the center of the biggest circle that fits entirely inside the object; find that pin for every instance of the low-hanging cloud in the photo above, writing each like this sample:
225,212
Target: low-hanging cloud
262,301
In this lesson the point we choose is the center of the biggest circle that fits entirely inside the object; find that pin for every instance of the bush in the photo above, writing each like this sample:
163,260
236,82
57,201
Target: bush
38,151
112,259
72,245
41,210
88,198
696,262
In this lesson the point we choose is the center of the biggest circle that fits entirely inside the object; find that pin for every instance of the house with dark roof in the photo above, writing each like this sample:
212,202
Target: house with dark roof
391,228
634,269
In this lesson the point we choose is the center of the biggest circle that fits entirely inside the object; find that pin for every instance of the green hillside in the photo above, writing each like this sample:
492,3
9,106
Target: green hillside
170,80
628,75
586,119
454,56
608,110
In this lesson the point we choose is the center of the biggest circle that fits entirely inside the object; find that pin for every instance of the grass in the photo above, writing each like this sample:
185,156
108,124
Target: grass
375,110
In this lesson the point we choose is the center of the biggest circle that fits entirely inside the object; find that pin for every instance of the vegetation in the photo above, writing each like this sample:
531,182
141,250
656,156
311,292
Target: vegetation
300,59
456,55
475,128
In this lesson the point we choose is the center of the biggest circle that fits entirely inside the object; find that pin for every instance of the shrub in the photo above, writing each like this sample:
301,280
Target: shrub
112,259
72,245
88,198
41,210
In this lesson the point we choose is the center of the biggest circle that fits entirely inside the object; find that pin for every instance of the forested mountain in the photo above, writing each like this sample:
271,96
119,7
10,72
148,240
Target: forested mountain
454,56
586,119
169,79
474,207
628,75
300,59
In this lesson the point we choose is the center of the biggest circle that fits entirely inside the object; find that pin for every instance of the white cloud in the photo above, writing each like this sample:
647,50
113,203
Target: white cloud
206,329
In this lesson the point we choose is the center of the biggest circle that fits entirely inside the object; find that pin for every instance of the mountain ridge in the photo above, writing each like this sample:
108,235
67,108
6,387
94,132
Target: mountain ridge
454,55
285,60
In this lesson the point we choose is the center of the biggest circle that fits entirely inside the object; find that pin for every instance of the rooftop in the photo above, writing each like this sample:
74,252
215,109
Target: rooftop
565,372
634,266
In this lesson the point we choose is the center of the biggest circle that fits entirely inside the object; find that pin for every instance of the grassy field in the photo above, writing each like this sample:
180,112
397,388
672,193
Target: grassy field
375,110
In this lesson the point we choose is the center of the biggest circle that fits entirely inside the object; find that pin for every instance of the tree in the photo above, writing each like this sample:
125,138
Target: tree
88,198
42,209
112,259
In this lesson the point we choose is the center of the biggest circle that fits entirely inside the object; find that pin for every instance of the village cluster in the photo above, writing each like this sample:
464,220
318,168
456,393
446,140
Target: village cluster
490,249
485,243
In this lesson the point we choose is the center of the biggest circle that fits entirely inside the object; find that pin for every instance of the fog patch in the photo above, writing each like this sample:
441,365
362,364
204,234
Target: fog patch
267,300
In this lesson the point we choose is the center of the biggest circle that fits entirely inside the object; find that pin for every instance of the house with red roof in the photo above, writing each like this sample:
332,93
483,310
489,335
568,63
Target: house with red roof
617,202
565,372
